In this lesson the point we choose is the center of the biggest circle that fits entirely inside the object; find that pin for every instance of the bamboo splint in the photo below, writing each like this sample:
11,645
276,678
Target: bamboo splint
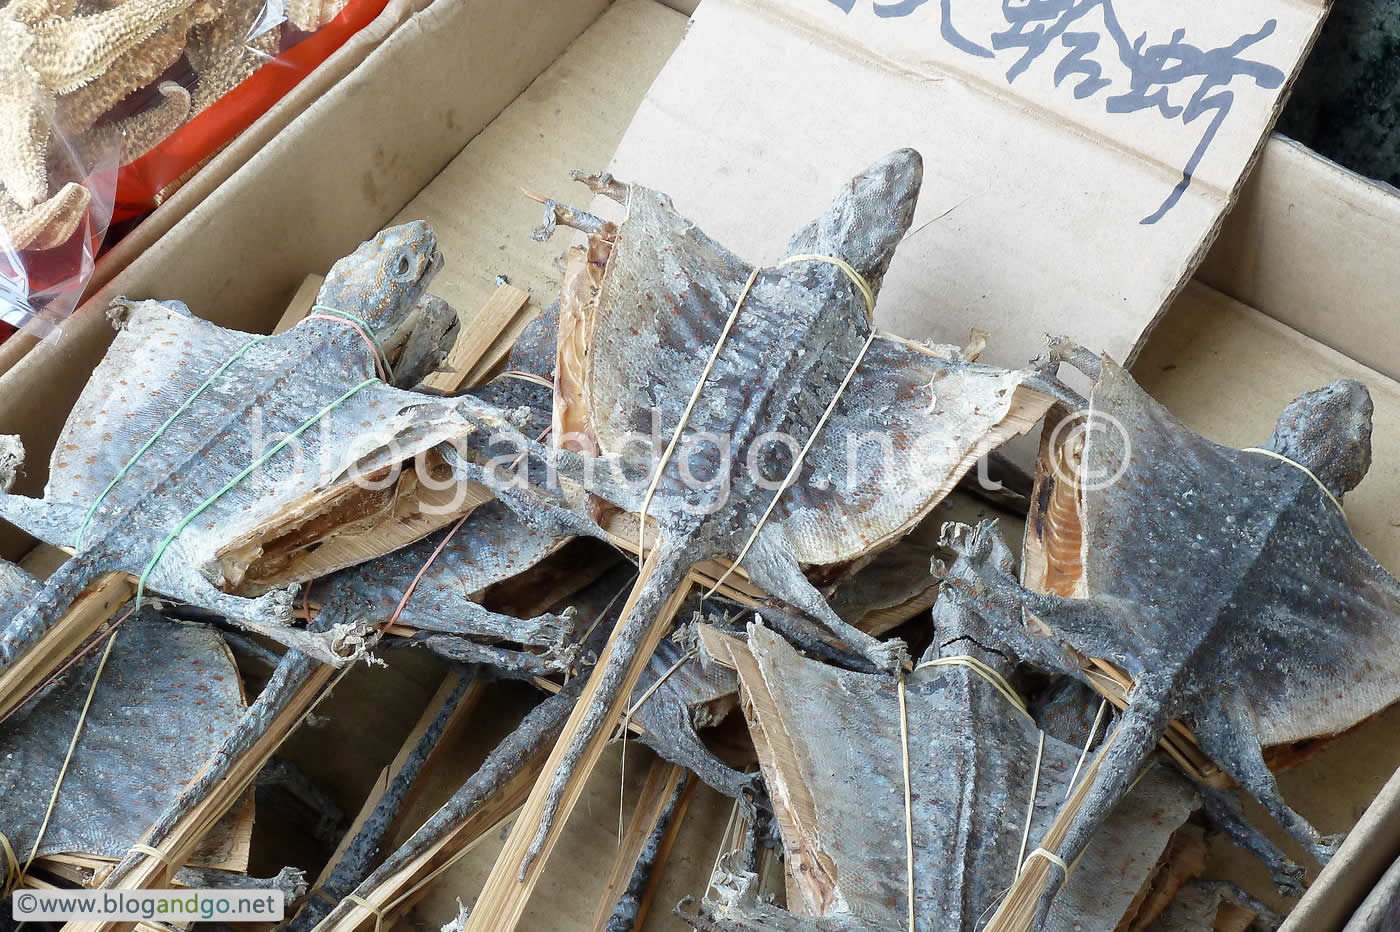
94,608
151,872
484,340
663,781
1017,910
503,898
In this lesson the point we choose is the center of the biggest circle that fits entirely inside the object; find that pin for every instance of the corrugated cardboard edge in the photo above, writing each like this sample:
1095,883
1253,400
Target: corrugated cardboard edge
1317,247
231,157
1354,869
406,143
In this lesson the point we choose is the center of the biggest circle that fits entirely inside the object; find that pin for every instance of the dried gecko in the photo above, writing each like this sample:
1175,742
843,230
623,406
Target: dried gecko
1225,582
168,695
644,307
120,481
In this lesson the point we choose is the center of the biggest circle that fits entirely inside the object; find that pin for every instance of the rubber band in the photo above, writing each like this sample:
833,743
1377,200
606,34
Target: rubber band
366,332
68,757
1299,466
1050,856
791,477
1030,806
141,450
204,505
1093,730
13,872
407,593
685,416
361,901
167,859
908,802
330,314
987,673
525,377
856,278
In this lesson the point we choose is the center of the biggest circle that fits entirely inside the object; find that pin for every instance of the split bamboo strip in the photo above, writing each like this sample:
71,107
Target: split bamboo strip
182,839
479,333
1017,911
89,612
662,780
503,898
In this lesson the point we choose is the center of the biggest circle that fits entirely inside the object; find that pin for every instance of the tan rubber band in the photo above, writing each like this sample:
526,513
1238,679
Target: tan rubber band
908,803
166,859
1299,466
1050,856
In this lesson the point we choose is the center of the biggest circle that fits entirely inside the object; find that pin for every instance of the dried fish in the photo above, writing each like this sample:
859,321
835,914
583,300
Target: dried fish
1225,582
145,450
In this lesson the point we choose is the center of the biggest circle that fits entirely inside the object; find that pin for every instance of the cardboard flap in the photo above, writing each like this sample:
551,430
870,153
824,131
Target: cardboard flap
1077,161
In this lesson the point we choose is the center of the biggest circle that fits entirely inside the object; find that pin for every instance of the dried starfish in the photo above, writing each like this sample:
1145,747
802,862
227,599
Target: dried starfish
227,50
119,510
44,53
1225,582
136,135
645,305
45,225
136,68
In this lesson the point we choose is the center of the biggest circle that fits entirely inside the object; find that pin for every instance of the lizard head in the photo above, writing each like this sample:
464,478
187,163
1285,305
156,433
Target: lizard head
1328,430
868,217
382,281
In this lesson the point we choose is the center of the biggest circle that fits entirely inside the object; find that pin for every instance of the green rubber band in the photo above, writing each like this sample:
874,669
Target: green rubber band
204,505
92,512
369,332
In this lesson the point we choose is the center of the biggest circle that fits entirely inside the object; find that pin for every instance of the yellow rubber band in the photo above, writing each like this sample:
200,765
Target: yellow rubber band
167,859
1299,466
1050,856
908,802
361,901
13,871
987,673
856,278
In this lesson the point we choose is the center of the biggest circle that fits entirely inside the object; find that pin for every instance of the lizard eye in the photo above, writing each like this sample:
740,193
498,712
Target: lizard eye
403,266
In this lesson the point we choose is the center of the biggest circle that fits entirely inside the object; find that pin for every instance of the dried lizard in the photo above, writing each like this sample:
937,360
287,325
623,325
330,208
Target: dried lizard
1225,582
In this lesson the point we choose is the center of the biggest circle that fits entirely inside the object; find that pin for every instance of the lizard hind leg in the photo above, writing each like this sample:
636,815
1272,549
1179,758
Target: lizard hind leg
1224,810
773,569
1228,738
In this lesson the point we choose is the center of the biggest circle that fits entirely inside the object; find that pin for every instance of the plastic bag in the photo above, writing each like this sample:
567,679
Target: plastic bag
106,106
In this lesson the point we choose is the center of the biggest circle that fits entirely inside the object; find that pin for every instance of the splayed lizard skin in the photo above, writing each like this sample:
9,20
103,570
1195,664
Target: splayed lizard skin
156,362
839,793
663,291
1225,582
168,696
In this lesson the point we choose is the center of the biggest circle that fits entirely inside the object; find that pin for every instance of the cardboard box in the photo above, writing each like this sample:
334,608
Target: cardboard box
228,159
470,99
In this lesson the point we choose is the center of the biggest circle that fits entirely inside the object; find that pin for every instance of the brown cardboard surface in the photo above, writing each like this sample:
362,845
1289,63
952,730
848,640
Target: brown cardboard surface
1030,218
1317,247
1227,371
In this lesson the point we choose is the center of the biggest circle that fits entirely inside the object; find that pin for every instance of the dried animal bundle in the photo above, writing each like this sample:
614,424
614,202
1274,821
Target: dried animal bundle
168,696
658,321
188,426
1224,582
832,749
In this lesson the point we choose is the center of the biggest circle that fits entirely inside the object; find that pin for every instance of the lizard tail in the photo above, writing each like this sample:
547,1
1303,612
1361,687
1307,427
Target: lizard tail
36,619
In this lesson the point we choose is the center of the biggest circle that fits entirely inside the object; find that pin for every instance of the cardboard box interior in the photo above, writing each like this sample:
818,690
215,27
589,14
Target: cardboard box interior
446,121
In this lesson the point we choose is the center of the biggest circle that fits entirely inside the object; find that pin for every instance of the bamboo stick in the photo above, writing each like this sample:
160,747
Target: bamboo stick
663,778
503,898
